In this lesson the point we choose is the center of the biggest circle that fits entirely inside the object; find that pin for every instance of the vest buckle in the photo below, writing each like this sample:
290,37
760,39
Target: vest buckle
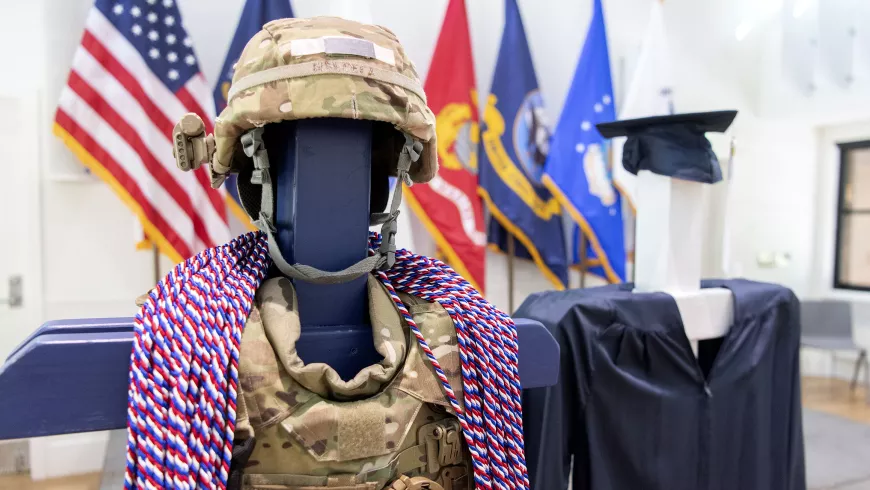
443,442
450,446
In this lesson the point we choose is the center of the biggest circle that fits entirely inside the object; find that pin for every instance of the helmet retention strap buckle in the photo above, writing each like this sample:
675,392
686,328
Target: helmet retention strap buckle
411,151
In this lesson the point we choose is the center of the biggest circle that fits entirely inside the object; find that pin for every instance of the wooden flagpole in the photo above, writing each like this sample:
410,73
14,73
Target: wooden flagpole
584,260
511,251
634,247
156,263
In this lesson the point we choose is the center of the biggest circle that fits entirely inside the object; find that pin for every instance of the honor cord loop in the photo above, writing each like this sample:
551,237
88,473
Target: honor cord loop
184,377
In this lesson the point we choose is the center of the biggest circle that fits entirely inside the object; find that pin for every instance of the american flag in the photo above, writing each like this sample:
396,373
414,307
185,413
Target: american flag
133,77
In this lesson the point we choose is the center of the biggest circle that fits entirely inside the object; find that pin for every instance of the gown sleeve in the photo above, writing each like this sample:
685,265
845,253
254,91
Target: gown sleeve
553,417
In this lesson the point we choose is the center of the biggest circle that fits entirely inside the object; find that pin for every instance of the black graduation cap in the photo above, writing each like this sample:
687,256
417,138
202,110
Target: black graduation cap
674,146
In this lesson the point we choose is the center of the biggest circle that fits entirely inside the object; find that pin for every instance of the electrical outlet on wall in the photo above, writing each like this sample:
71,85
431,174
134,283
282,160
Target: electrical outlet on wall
772,260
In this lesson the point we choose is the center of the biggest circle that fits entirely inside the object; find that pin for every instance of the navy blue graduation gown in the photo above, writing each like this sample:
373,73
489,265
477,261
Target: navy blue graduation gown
637,410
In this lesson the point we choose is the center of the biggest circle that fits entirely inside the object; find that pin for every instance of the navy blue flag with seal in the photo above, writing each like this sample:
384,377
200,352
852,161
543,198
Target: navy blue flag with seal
255,14
578,169
514,144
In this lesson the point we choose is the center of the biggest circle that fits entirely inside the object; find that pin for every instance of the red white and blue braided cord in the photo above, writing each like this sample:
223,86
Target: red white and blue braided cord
184,367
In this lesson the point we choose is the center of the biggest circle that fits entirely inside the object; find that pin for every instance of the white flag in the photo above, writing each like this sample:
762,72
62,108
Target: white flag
649,93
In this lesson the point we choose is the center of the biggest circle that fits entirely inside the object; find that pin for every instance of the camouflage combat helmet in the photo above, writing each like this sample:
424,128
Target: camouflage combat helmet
309,68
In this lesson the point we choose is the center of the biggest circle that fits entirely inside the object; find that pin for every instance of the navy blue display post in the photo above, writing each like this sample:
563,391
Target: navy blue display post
71,375
322,195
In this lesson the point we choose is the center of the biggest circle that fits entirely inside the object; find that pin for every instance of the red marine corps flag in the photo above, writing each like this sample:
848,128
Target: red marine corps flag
448,205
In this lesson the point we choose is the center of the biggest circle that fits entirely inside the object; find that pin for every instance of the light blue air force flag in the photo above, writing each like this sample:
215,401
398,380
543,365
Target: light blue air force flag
514,145
577,169
255,14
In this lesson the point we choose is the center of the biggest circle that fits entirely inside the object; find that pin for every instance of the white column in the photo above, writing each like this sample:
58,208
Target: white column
668,254
669,234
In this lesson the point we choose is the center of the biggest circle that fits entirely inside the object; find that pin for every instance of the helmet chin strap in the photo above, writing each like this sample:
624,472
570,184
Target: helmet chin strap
383,259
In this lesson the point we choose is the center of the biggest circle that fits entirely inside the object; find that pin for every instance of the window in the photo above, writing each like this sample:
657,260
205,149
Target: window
852,262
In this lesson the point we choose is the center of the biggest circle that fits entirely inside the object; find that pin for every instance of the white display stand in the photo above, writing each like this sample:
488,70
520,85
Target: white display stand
668,248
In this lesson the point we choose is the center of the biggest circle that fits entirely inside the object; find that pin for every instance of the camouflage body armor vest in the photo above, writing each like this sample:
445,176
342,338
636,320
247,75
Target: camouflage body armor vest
386,428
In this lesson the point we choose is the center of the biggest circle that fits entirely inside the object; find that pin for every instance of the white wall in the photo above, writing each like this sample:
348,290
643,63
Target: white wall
790,178
91,266
20,183
795,175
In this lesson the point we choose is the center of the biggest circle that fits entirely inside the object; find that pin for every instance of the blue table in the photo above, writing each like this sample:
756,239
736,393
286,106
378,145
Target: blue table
71,375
